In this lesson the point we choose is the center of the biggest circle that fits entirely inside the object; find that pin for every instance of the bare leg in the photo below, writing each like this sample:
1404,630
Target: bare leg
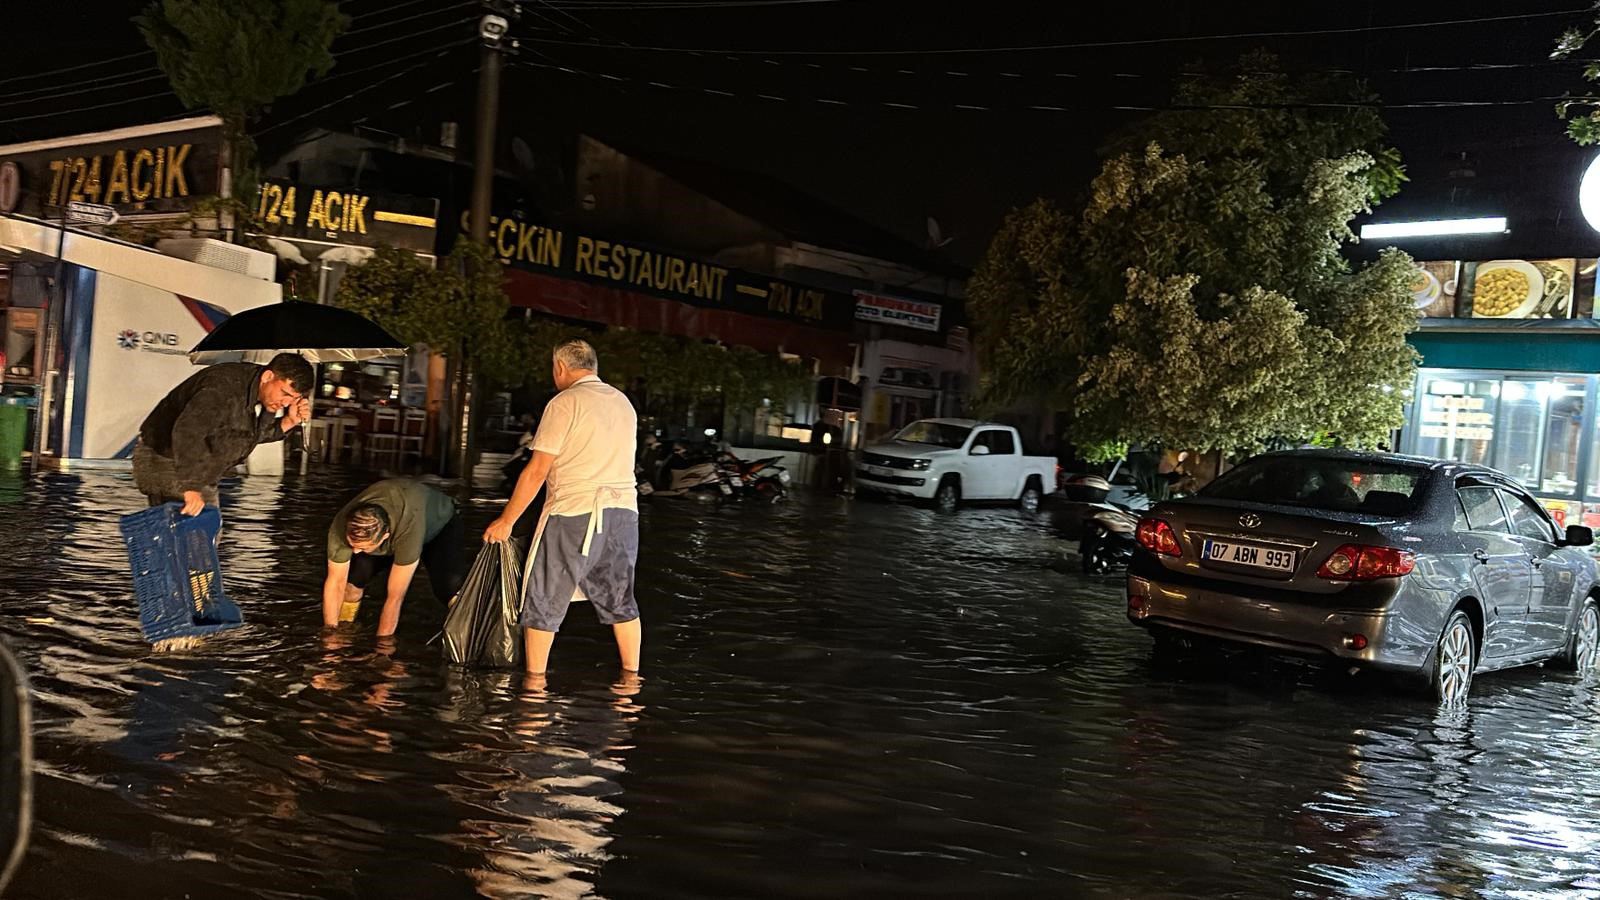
538,650
629,636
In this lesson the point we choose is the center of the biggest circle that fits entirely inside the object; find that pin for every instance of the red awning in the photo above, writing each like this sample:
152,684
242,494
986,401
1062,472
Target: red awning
605,305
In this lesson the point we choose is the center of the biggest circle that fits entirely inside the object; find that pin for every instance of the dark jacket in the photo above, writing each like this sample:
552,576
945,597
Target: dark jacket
210,423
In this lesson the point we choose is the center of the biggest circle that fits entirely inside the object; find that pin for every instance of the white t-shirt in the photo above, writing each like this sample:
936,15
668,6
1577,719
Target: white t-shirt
591,430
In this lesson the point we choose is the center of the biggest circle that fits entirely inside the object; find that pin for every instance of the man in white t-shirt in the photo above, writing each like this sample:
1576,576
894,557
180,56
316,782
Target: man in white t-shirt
587,542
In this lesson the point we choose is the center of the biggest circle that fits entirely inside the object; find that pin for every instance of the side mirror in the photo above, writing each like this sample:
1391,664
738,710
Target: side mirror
16,766
980,450
1579,536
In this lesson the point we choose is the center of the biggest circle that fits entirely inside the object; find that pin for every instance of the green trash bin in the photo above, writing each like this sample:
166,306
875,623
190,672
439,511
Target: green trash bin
13,431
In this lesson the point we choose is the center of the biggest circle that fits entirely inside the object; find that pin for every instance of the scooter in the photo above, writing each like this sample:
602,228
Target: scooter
1108,537
683,477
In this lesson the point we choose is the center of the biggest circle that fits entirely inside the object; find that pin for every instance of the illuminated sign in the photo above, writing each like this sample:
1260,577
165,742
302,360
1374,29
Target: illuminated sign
651,270
147,171
343,216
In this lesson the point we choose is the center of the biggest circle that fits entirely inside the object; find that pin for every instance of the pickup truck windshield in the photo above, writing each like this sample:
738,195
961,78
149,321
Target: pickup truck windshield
935,433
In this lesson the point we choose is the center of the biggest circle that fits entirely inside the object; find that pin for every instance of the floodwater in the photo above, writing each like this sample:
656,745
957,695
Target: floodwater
840,699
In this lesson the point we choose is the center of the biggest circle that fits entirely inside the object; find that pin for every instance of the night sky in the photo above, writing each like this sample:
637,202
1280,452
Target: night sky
895,134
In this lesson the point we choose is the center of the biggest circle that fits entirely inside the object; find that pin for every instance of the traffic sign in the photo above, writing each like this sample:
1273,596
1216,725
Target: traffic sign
92,213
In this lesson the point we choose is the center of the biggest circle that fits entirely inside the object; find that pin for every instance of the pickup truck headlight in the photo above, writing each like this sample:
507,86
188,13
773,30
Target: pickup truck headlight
920,464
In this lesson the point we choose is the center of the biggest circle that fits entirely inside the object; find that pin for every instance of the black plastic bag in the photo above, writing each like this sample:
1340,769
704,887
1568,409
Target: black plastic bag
481,627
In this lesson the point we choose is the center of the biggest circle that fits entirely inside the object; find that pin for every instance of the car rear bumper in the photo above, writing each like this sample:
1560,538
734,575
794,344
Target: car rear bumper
1312,628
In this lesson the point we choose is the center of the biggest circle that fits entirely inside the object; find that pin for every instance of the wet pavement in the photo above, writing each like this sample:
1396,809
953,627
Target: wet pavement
840,698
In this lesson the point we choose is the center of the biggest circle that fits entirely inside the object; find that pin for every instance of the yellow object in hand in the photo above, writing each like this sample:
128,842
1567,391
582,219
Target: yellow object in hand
347,610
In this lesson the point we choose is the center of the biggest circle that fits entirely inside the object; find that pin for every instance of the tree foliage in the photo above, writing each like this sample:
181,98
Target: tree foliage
1201,299
235,57
1581,112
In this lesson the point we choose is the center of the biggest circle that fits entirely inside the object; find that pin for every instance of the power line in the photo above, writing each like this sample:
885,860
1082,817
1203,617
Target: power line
1076,107
1083,45
87,65
56,91
457,7
336,101
687,4
49,91
86,90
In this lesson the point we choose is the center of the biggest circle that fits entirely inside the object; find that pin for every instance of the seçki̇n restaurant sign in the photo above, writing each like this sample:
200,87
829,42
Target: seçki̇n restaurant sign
638,267
148,170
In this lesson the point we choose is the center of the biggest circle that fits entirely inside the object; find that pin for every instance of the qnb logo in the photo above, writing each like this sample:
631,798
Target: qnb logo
158,341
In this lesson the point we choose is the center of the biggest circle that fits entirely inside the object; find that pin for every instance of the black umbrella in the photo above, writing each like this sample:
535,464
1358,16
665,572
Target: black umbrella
319,333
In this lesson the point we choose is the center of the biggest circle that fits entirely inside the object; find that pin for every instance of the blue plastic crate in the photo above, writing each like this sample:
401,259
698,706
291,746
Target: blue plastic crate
176,575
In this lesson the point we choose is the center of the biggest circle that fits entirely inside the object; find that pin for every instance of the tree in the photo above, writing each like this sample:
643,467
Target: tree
1580,112
1201,300
235,57
455,308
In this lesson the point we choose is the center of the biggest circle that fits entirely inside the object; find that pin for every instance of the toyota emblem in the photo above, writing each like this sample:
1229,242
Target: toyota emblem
1250,520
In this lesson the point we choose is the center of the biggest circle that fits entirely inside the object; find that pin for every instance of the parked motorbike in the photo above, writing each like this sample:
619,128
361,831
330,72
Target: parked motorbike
1108,537
762,479
686,474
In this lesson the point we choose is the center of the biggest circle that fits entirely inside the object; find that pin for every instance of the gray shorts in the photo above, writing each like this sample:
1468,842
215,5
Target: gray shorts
157,478
605,575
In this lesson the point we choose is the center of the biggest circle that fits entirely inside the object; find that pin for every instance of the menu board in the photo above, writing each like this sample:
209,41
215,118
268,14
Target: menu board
1457,417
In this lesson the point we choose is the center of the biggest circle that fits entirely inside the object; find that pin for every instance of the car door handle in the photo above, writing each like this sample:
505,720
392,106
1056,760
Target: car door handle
1480,556
1537,561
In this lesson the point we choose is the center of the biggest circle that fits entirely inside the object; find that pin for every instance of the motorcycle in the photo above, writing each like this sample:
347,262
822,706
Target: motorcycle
1108,538
763,479
683,475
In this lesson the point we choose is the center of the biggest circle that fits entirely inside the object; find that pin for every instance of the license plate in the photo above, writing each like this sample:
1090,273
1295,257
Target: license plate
879,470
726,488
1268,558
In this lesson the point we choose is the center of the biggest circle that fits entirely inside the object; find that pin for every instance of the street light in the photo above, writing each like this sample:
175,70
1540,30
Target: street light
1589,194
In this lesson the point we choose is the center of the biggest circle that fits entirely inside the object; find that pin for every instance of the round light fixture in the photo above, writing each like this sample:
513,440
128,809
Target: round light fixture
1589,194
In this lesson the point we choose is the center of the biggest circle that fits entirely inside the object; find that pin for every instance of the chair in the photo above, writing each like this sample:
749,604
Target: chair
383,442
413,432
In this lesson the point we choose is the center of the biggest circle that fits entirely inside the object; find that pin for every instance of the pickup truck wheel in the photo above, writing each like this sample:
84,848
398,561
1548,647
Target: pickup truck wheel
948,497
1029,500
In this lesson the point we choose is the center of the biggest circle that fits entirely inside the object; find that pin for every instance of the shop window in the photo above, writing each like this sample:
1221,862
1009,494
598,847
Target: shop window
1456,418
1523,405
1563,434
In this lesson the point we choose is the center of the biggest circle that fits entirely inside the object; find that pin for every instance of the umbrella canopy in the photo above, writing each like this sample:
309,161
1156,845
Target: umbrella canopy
319,333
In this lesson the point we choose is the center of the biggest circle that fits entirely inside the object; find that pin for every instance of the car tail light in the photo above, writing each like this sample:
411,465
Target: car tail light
1157,536
1357,562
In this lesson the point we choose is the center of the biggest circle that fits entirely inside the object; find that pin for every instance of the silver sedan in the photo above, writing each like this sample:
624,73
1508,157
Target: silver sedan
1418,566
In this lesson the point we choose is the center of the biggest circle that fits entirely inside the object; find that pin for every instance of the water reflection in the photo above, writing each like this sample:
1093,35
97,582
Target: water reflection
843,699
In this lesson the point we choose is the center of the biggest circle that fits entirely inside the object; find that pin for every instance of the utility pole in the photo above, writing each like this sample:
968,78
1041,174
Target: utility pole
494,29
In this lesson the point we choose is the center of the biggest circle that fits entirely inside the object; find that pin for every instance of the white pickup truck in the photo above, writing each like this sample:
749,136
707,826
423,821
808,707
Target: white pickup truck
953,460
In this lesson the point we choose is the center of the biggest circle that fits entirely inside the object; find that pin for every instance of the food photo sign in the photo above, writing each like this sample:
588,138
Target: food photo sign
1520,288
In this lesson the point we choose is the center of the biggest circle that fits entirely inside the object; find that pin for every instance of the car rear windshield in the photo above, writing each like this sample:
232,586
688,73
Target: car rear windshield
935,433
1315,482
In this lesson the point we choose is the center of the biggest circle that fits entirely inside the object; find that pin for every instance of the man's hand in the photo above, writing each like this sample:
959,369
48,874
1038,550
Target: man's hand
193,503
498,531
299,412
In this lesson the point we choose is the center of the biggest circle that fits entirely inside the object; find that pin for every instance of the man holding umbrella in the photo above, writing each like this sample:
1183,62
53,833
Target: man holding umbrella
212,421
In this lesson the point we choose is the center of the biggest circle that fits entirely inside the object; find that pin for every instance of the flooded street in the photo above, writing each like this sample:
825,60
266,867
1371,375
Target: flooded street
840,698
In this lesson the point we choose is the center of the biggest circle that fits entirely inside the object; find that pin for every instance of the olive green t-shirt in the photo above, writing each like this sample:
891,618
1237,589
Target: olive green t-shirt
417,513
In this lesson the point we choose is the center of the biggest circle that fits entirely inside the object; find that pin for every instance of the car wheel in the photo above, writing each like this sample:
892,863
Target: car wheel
1029,501
948,497
1454,660
1583,648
